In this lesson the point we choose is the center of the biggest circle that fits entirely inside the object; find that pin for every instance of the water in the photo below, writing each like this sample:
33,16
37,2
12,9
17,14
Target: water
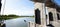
18,22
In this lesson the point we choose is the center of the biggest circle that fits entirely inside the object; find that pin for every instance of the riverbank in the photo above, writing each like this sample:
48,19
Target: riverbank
6,17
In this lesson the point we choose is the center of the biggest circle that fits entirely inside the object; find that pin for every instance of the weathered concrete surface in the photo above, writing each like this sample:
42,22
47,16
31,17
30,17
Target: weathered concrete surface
53,11
40,6
55,24
51,8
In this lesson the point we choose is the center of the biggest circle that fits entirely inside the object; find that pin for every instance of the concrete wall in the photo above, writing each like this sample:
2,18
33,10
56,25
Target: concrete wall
54,12
58,13
59,16
40,6
32,24
44,20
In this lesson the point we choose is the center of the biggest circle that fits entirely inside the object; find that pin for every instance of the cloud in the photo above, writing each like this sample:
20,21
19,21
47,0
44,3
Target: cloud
22,11
18,7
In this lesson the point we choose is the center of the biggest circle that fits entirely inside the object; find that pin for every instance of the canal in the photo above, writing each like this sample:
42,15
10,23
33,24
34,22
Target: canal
19,22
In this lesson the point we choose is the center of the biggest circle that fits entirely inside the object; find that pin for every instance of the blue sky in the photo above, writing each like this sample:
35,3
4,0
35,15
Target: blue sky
20,7
57,1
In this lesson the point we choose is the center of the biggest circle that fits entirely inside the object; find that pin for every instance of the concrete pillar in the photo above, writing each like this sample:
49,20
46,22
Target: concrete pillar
47,16
40,6
0,5
31,24
47,19
2,25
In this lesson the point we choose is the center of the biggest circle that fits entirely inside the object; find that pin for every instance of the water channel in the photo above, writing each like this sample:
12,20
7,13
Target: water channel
18,22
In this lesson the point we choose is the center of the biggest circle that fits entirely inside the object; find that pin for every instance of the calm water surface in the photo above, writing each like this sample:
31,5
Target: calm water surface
18,22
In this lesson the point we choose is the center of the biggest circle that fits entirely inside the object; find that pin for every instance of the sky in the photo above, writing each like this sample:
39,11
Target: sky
19,7
57,1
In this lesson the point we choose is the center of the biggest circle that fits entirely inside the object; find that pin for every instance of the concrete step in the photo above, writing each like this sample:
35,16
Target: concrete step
56,24
58,21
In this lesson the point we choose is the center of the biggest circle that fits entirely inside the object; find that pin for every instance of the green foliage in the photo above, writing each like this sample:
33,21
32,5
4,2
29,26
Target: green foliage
5,17
11,16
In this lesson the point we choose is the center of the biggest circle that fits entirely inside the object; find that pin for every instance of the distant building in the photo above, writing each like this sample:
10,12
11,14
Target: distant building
45,20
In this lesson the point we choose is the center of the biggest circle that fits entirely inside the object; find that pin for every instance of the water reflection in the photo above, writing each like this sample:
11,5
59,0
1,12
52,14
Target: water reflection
19,22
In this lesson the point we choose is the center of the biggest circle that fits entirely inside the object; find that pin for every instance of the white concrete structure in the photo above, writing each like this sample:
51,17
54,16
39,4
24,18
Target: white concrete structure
41,18
40,6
